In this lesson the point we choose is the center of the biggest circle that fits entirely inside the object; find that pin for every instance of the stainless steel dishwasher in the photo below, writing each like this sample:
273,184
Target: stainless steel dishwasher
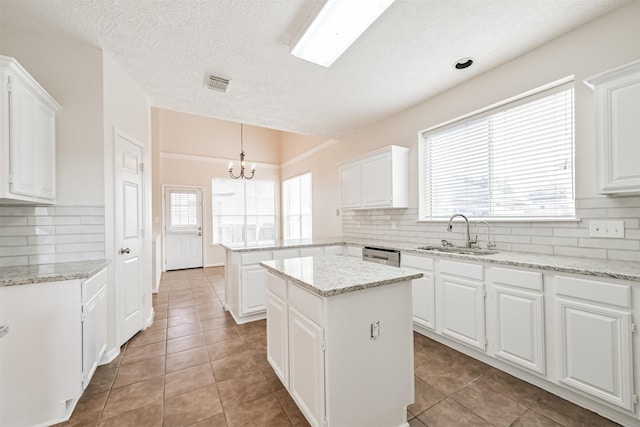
381,256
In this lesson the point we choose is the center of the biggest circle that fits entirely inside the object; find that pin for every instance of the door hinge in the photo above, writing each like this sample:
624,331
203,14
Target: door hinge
10,179
84,377
141,167
633,327
484,293
83,317
9,85
323,344
635,398
142,232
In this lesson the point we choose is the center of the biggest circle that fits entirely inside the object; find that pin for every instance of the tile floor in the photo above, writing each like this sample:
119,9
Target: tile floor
195,367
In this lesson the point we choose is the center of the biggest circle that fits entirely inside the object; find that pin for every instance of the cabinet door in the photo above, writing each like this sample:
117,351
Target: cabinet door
520,327
32,144
376,181
94,334
424,313
306,381
596,352
252,289
462,314
350,185
278,337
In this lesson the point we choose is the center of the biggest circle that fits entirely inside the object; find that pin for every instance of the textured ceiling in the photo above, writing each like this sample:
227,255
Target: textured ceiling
168,46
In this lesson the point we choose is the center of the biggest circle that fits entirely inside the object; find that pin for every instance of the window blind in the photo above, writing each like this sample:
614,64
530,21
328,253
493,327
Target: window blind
296,203
515,161
243,211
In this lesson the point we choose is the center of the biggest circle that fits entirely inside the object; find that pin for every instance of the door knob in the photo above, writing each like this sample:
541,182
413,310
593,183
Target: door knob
125,251
199,233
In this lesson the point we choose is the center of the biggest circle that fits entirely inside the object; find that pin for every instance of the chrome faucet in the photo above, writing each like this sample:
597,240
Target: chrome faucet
467,237
489,244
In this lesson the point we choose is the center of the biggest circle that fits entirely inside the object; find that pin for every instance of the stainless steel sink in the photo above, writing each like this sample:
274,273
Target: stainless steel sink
459,250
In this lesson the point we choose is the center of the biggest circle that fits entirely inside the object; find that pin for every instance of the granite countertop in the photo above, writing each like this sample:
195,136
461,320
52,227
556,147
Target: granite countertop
40,273
625,270
4,329
282,244
332,274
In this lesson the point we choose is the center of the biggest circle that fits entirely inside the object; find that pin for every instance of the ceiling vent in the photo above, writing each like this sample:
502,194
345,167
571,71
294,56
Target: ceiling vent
216,83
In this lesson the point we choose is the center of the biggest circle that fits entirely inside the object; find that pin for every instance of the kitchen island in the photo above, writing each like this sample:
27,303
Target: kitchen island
339,337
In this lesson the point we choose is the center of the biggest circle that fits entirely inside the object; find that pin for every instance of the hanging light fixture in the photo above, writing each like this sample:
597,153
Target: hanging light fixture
253,167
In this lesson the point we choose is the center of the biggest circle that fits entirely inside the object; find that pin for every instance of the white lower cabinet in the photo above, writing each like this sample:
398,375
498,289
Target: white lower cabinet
423,291
518,317
596,352
278,336
460,293
252,296
58,336
306,383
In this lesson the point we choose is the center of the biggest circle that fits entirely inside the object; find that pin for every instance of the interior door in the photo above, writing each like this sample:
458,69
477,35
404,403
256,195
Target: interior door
183,228
129,250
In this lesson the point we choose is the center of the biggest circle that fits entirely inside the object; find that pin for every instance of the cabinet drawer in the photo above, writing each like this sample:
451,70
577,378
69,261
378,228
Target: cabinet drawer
255,257
306,302
286,253
333,250
462,269
596,291
518,278
417,262
277,286
312,251
93,284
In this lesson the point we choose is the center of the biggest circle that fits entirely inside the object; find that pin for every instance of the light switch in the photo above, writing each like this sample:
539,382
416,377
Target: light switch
606,229
375,330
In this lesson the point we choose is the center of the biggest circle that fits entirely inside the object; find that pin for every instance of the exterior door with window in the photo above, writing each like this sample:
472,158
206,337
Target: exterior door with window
183,228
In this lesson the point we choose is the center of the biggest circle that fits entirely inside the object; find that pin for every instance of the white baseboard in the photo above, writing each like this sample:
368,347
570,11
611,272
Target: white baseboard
109,356
214,265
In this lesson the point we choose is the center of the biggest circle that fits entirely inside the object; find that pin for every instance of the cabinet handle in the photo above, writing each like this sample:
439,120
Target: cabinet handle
125,251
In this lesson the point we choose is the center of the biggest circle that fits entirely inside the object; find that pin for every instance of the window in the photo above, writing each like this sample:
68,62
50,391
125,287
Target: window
243,211
296,206
513,161
183,209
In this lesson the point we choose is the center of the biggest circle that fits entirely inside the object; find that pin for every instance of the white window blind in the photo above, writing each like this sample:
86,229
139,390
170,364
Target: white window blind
515,161
243,211
296,206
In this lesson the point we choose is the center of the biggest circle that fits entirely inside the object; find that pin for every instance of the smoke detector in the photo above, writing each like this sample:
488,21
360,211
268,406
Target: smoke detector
216,83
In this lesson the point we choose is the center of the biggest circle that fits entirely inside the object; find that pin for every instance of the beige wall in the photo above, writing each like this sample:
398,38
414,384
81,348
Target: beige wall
603,44
206,145
72,73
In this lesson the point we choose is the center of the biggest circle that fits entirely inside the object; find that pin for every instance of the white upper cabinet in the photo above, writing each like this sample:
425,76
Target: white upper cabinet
27,140
617,129
379,179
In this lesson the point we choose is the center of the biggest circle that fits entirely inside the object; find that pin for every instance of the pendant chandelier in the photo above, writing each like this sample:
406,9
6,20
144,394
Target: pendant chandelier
253,167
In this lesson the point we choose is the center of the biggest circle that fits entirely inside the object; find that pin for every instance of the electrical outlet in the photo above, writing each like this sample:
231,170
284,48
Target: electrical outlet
393,225
606,229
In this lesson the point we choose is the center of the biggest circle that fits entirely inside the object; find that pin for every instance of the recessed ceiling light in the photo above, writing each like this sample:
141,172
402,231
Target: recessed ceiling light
338,24
463,63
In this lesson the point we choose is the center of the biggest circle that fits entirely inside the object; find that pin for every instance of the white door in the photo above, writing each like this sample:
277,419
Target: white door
596,351
252,290
462,314
306,366
376,181
278,337
350,185
129,249
520,327
183,228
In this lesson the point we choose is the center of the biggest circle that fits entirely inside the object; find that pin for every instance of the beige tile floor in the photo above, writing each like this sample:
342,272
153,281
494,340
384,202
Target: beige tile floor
195,367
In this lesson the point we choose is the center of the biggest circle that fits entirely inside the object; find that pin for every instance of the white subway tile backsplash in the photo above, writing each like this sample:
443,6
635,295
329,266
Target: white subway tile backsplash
37,235
560,237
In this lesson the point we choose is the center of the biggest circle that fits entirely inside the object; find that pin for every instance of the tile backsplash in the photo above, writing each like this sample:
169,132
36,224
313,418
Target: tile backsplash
45,234
570,238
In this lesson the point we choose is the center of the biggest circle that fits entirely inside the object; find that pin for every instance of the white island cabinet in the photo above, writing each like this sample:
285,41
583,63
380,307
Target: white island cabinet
245,280
58,337
339,337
